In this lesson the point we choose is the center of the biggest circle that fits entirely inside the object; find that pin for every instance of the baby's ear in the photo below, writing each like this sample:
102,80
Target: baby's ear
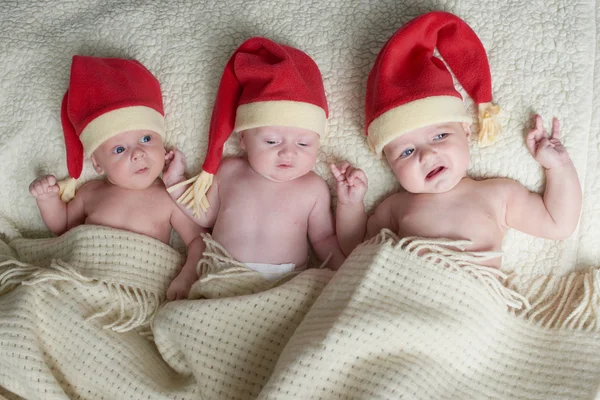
96,165
467,127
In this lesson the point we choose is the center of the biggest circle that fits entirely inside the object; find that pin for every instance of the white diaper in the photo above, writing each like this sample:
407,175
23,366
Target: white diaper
271,272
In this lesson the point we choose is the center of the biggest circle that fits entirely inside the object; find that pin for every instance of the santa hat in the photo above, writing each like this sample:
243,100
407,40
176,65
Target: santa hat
106,96
264,84
409,88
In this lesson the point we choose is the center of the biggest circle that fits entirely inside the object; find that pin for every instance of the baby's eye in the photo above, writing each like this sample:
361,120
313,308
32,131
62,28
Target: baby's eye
146,139
440,136
271,141
406,153
118,149
302,144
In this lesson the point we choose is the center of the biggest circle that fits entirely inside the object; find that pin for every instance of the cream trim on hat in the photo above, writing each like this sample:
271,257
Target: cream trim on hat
120,120
414,115
281,113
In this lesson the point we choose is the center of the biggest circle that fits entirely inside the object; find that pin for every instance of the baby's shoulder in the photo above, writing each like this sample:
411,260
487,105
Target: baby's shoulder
90,188
497,186
313,183
393,204
231,164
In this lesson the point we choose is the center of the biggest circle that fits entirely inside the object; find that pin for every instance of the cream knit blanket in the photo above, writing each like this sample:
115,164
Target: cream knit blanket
391,323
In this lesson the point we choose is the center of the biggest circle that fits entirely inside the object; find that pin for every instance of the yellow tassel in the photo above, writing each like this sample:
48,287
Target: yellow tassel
195,196
489,126
67,189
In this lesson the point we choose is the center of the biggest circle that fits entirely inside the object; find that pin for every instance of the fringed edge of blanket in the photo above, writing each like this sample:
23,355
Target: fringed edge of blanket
571,301
223,276
135,307
442,252
555,302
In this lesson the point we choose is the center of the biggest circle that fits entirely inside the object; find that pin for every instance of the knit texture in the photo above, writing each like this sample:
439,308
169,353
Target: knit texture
404,318
392,324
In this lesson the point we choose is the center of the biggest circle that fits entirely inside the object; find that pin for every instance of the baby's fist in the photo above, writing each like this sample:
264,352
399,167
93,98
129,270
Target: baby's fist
174,169
547,150
44,187
180,287
351,183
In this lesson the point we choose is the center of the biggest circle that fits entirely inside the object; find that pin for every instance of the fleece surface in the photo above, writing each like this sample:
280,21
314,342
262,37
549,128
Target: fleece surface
542,55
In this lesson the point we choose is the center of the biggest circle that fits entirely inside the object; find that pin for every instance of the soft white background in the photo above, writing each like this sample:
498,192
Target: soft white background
542,56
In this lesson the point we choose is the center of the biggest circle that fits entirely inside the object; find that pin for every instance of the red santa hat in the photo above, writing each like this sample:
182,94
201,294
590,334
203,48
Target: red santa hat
409,88
106,96
264,84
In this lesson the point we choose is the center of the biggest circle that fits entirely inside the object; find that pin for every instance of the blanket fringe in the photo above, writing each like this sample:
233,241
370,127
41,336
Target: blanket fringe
223,276
441,251
571,301
134,306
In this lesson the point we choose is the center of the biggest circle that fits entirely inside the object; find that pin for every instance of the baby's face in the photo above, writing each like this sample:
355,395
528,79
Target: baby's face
132,159
432,159
280,153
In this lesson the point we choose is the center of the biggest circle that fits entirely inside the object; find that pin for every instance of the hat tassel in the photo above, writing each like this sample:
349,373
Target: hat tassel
195,196
67,189
489,126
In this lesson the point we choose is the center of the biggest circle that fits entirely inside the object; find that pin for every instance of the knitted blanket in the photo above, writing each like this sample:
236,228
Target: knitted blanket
400,318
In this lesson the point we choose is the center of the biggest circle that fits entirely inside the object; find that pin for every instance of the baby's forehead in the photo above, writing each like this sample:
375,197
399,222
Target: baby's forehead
281,130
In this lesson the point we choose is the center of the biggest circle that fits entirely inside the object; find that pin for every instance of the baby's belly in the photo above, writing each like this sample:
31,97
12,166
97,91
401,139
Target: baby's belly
143,226
263,246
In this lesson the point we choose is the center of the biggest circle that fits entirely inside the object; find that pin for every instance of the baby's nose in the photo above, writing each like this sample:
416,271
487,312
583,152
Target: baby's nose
287,149
426,152
138,153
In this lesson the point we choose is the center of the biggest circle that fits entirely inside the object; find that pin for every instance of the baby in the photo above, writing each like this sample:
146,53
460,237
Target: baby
113,112
263,206
416,117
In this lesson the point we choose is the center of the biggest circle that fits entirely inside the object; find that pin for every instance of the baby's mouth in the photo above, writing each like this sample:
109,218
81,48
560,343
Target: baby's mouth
435,172
284,165
142,170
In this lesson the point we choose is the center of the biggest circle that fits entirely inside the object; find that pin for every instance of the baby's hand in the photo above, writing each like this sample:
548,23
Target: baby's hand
44,188
548,151
180,287
174,169
351,183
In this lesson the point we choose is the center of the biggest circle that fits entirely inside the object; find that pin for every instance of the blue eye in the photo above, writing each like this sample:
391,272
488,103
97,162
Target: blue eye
119,149
440,136
146,139
407,153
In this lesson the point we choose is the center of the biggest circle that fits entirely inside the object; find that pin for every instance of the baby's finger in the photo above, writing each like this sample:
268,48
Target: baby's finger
344,166
170,294
531,141
360,175
51,179
33,188
336,172
555,128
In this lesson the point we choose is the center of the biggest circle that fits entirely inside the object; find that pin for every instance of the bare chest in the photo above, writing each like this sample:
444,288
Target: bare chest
143,211
268,205
460,218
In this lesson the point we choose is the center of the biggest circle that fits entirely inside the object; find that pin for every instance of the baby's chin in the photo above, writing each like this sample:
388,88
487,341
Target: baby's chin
280,178
434,188
135,184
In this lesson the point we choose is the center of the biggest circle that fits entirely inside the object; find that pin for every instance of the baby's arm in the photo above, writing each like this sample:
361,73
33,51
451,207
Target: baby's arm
57,215
321,228
351,218
555,214
174,173
190,233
